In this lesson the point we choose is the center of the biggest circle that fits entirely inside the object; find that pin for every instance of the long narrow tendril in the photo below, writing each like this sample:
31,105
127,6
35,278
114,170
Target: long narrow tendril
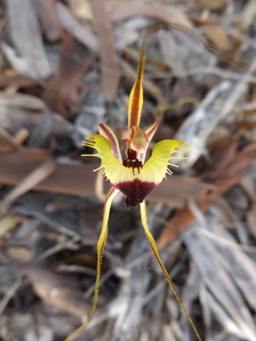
100,248
143,212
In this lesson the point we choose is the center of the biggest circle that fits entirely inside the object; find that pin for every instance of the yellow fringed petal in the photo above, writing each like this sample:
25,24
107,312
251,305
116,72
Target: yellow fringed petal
113,169
157,165
154,170
135,180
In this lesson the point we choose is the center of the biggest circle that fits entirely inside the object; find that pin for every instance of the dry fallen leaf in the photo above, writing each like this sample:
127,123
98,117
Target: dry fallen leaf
31,59
212,4
46,10
17,100
29,182
173,15
62,91
56,289
217,35
109,59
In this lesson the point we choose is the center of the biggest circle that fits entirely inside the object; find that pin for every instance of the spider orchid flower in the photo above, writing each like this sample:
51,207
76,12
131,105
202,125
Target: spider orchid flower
132,176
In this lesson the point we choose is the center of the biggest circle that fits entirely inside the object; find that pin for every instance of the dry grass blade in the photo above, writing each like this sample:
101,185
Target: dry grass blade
15,119
109,60
196,129
9,294
248,14
219,282
72,25
129,303
28,41
237,262
21,101
217,309
170,14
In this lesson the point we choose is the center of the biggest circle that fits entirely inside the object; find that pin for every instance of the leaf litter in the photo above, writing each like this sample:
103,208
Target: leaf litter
59,80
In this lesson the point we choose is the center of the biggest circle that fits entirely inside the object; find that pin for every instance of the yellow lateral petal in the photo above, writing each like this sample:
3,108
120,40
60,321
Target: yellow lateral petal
113,169
100,248
154,170
157,165
152,243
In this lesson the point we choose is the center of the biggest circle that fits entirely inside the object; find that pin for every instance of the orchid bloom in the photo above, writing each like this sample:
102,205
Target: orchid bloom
132,176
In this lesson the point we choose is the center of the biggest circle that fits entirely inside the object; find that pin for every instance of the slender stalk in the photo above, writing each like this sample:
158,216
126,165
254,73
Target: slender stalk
143,212
100,248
